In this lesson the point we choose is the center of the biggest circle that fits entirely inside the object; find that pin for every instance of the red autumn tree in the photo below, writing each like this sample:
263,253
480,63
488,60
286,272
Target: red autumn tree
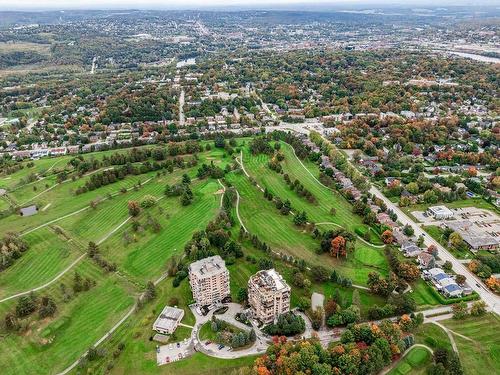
387,236
338,247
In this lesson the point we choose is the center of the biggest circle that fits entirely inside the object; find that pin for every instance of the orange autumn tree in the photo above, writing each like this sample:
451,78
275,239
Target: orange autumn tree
338,247
387,236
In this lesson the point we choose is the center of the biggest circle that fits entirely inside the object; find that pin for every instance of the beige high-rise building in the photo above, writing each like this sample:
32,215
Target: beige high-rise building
209,280
268,295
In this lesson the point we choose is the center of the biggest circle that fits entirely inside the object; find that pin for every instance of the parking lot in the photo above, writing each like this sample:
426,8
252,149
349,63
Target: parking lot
174,352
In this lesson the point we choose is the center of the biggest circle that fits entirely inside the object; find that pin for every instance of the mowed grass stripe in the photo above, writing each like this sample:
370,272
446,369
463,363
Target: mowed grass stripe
93,224
49,347
256,165
47,256
145,259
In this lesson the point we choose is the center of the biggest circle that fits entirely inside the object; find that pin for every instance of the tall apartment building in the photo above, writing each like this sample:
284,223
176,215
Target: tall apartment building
268,295
209,280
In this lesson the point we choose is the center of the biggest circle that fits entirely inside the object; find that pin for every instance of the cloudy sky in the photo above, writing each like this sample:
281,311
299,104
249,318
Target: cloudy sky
185,4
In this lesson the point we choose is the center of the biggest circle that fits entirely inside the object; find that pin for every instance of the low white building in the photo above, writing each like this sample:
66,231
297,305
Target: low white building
440,212
168,320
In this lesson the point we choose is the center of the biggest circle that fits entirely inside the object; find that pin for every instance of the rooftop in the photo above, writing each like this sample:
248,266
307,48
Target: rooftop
168,318
207,266
436,210
270,279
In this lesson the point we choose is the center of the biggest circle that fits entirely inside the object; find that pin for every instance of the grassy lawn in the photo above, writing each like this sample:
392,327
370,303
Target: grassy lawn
415,362
482,354
423,295
50,345
437,234
93,224
139,355
63,201
47,256
4,204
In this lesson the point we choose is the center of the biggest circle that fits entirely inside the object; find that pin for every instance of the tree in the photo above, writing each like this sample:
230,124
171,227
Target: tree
460,310
338,247
242,295
433,250
387,236
186,179
455,240
300,219
150,292
47,307
478,308
408,271
26,305
148,201
320,273
11,322
133,208
408,230
460,279
447,265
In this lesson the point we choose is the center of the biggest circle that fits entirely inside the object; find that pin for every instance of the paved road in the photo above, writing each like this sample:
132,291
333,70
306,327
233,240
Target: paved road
181,108
492,300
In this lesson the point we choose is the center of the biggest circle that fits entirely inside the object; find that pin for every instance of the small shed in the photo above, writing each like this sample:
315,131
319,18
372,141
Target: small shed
29,211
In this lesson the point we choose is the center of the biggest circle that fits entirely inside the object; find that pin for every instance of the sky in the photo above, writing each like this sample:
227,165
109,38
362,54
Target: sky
190,4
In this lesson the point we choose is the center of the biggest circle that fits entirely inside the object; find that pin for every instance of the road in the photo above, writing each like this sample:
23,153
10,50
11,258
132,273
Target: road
181,108
491,299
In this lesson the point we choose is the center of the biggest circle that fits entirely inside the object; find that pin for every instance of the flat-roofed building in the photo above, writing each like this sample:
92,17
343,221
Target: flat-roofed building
268,295
477,238
440,212
168,320
209,280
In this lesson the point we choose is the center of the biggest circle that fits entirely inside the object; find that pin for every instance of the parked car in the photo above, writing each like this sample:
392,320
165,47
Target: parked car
208,342
178,344
221,346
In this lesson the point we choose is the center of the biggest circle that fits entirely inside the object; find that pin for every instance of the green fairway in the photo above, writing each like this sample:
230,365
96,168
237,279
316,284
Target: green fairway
433,336
47,256
256,166
414,362
146,257
263,219
480,353
51,345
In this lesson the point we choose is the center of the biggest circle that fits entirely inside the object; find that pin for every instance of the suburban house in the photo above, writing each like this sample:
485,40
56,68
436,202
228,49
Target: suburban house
444,282
440,212
209,280
410,249
168,320
426,260
268,295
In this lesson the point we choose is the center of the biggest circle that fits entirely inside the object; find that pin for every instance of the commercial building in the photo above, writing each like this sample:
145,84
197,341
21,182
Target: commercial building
477,235
440,212
168,320
268,295
209,280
